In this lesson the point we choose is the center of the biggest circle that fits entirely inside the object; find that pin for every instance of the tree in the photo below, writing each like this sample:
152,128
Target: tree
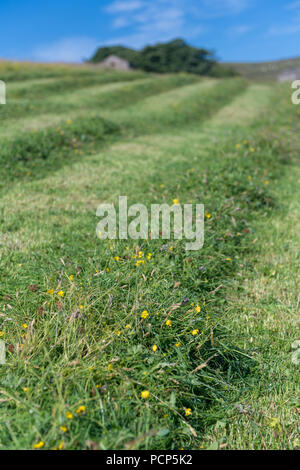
170,57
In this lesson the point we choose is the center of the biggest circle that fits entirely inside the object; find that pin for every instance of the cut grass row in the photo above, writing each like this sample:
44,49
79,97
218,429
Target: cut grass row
35,154
112,95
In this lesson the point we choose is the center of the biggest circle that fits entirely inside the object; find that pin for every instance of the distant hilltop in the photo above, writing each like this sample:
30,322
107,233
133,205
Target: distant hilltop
170,57
279,70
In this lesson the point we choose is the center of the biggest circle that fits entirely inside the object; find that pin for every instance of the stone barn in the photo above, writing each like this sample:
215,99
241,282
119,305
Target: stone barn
115,62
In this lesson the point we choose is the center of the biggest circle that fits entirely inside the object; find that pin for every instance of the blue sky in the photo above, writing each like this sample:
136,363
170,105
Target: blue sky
70,30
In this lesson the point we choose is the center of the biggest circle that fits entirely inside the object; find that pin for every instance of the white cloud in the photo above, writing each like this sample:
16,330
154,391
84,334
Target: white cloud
124,6
159,20
283,30
293,5
240,30
120,22
66,50
286,29
219,8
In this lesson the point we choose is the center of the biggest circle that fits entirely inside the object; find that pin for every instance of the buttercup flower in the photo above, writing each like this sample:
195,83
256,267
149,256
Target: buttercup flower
61,293
145,394
39,445
154,348
188,411
195,332
144,314
168,323
80,409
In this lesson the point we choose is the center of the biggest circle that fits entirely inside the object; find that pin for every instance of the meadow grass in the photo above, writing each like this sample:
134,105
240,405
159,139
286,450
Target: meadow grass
140,344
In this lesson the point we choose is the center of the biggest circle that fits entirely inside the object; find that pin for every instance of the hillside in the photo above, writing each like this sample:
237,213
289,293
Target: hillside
139,344
265,70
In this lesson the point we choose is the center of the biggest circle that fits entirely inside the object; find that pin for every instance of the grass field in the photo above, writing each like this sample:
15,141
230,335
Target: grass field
140,344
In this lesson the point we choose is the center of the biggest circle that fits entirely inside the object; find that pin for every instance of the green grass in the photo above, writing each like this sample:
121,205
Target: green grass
228,144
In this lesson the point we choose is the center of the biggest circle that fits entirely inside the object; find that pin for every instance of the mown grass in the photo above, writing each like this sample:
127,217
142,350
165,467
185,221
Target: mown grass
80,350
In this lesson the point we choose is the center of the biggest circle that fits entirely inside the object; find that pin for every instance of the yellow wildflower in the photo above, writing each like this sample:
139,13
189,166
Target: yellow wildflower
71,277
175,201
25,326
63,428
116,258
118,333
207,215
195,332
26,389
145,394
110,366
188,411
140,261
127,326
69,415
61,445
50,291
178,344
2,334
154,348
198,309
168,323
144,314
39,445
61,293
80,409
